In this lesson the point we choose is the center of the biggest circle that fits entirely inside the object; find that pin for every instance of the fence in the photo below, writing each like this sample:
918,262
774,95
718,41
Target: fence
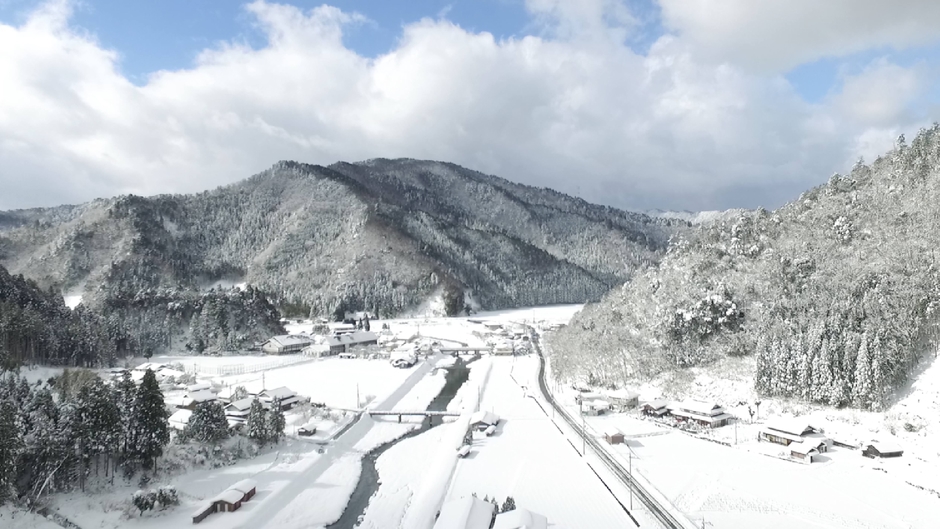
242,369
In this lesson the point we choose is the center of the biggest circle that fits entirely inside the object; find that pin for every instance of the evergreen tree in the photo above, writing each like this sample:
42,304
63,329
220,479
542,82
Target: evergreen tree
208,424
257,422
509,504
151,430
276,422
10,445
126,394
863,383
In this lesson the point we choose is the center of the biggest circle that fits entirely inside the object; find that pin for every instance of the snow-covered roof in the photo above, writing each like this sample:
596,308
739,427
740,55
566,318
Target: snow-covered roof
610,431
623,394
520,519
804,447
244,485
484,417
282,393
287,340
791,425
199,386
240,405
230,496
597,404
465,513
153,366
657,404
352,338
180,419
701,408
885,447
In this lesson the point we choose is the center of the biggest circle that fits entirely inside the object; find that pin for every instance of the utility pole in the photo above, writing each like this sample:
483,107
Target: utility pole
583,431
631,479
263,387
735,430
358,402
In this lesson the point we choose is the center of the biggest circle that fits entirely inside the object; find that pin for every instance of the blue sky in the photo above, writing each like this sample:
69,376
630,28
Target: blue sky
670,104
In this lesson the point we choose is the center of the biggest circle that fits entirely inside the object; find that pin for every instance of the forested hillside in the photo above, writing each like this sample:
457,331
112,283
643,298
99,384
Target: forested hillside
834,294
382,235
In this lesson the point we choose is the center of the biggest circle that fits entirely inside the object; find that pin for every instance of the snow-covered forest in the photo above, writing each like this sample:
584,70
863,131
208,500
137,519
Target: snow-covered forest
382,235
835,294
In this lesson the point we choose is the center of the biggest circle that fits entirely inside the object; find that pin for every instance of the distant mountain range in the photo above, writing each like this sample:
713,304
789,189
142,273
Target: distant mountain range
381,235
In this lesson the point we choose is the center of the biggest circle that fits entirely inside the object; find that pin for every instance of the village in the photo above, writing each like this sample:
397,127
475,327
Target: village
345,391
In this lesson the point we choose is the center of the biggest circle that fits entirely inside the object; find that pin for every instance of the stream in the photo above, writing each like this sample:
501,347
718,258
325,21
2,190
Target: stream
368,484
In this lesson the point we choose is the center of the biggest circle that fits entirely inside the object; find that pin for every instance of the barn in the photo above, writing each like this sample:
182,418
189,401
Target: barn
613,436
341,343
804,451
791,430
882,449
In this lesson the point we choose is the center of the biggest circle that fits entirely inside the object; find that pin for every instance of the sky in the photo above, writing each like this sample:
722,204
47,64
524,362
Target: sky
638,104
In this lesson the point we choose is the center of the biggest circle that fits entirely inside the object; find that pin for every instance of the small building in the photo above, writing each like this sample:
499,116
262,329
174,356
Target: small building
482,420
308,429
286,344
804,452
583,396
655,408
191,399
237,412
519,518
881,449
287,397
595,407
786,431
229,500
623,400
613,436
342,343
466,513
180,419
199,386
704,413
247,487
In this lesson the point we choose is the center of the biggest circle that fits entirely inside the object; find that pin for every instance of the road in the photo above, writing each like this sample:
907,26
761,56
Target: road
265,514
657,509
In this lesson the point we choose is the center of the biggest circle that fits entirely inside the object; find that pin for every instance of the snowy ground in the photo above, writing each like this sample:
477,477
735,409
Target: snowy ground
529,459
12,517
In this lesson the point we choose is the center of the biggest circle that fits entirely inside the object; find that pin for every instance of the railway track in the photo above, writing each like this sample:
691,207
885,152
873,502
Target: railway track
655,507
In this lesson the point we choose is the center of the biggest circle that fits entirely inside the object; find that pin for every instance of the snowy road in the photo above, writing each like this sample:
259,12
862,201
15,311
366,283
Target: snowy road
278,511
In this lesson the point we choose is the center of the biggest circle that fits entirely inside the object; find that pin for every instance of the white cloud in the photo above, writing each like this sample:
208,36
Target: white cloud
776,35
573,109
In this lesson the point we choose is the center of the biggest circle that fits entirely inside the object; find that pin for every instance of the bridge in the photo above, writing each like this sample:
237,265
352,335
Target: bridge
425,413
465,349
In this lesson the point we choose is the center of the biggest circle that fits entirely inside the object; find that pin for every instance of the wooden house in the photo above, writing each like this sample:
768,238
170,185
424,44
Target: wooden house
655,408
622,399
286,396
804,452
703,413
786,431
881,449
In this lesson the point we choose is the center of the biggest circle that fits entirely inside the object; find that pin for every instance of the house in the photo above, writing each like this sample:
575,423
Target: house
338,329
595,407
786,431
227,501
341,343
191,399
285,395
623,400
504,349
613,436
286,344
180,419
200,386
520,519
880,449
804,451
308,429
655,408
587,396
466,513
482,420
706,414
237,412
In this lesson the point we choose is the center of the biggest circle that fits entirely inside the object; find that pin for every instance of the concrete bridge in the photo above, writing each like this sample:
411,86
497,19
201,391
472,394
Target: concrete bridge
424,413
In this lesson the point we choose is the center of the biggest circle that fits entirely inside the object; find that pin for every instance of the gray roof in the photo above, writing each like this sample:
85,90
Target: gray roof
352,338
287,340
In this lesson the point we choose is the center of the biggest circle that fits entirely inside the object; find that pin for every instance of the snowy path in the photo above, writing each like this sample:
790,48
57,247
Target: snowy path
278,510
529,459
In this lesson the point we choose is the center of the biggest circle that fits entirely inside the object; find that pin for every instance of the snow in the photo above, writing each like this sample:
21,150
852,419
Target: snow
14,517
73,300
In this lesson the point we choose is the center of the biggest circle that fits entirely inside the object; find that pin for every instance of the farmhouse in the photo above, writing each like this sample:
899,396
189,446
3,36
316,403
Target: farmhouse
285,395
286,344
880,449
520,519
482,420
655,408
341,343
786,431
585,396
706,414
192,398
623,400
237,412
594,407
465,513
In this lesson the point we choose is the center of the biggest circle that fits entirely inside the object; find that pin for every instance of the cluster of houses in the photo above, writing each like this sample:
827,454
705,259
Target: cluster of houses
236,411
229,500
473,513
805,442
340,341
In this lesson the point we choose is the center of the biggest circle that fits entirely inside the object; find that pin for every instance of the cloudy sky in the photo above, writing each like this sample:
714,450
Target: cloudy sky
671,104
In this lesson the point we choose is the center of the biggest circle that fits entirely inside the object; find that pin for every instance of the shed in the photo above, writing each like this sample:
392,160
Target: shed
466,513
228,501
482,420
204,509
247,487
519,518
804,452
613,436
882,449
